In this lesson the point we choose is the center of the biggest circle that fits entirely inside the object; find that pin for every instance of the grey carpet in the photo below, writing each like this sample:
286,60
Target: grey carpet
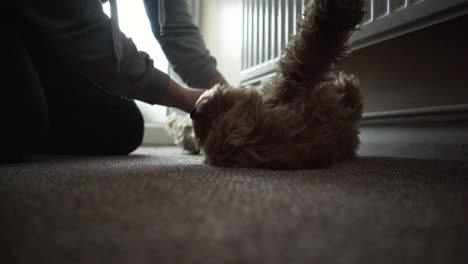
161,206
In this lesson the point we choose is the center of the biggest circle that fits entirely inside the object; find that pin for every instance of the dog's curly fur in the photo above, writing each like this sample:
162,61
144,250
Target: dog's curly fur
307,116
180,128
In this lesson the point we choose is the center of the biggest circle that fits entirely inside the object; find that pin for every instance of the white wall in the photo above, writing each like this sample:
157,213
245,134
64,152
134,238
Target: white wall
221,26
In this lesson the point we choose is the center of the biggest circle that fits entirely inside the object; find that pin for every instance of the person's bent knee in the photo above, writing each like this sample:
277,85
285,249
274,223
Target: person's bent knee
132,131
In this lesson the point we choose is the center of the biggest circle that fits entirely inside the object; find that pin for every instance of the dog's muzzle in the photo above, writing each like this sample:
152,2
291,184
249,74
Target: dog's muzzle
193,114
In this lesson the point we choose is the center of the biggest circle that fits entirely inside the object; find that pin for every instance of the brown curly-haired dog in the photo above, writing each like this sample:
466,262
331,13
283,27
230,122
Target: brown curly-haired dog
307,116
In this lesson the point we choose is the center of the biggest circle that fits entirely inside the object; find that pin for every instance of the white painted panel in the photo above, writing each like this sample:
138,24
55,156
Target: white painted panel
384,19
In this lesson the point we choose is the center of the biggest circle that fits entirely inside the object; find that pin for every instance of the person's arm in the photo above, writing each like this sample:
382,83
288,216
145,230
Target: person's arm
80,34
183,44
180,97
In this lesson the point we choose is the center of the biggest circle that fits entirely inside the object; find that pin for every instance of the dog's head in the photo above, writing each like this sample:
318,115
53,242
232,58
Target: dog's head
224,118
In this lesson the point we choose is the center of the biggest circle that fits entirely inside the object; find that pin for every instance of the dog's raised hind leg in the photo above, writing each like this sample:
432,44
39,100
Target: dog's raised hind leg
320,43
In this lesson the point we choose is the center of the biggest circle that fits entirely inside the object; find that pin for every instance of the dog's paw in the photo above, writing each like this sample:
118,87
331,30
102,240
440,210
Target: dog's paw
342,13
350,98
342,6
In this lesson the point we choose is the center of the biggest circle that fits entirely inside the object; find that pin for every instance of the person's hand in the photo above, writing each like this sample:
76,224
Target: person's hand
185,98
217,79
180,97
190,98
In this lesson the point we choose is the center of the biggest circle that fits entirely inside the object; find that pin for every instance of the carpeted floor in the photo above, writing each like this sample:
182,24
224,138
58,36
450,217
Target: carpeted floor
161,206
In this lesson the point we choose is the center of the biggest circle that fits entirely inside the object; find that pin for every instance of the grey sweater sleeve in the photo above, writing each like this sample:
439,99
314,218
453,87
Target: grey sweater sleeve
81,35
182,43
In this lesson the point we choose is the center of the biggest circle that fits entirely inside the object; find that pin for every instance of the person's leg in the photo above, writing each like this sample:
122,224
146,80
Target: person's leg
78,116
85,119
23,108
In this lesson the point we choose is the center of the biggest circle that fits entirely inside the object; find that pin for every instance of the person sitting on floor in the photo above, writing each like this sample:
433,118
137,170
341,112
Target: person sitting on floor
65,91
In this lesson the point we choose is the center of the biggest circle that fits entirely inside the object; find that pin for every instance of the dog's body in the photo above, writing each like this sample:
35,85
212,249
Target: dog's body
307,116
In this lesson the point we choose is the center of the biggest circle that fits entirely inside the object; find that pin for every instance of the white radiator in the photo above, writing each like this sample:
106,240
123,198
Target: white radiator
269,24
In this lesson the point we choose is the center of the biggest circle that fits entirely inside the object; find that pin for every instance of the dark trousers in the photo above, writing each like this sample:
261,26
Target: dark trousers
46,106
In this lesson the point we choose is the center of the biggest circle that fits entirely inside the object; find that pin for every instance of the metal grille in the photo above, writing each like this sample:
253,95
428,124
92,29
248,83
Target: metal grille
269,24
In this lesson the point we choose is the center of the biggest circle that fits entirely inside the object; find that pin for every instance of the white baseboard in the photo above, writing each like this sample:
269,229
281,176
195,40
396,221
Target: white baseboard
423,133
155,135
443,141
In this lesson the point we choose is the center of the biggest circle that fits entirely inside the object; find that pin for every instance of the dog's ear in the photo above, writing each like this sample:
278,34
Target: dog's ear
214,102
